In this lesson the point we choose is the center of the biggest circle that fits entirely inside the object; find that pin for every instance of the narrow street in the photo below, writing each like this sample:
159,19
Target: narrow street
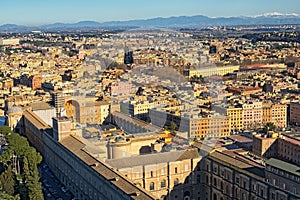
52,188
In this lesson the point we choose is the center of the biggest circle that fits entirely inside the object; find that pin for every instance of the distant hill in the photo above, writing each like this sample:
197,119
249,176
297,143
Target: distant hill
170,22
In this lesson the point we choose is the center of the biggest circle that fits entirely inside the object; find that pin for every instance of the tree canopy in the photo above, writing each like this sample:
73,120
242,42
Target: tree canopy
20,154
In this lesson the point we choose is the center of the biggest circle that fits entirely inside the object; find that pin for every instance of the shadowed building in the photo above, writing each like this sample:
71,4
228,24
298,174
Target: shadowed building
161,173
67,156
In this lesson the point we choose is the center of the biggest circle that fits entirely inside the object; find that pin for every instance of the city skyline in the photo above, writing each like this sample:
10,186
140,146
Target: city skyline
43,12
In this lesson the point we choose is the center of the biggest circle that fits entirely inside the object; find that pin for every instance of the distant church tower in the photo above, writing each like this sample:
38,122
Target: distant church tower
128,56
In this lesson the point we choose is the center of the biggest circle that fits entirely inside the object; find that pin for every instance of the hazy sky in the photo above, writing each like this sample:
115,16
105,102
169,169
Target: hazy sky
36,12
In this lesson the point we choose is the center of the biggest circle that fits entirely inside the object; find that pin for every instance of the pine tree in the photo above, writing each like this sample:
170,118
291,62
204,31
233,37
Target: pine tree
7,181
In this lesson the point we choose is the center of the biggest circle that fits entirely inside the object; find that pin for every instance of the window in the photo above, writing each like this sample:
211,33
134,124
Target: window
215,182
227,190
294,190
186,167
215,197
254,187
186,195
244,196
261,192
163,184
162,171
198,178
273,196
215,169
151,186
137,174
175,170
151,173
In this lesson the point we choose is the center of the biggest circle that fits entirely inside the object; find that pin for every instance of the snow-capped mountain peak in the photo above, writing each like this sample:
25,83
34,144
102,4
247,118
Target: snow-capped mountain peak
277,14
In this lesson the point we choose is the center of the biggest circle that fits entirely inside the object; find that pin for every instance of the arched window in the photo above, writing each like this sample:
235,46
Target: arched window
215,197
176,181
244,196
186,195
151,186
163,183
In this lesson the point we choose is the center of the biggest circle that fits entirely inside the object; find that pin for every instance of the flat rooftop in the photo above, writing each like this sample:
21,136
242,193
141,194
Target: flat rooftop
284,166
240,163
156,158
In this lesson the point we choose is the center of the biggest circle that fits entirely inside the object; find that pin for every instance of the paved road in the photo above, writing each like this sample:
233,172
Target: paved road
52,188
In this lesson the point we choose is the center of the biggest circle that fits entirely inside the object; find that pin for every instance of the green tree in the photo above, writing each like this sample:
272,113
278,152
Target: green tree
21,151
5,130
7,181
173,127
18,144
5,196
33,185
270,126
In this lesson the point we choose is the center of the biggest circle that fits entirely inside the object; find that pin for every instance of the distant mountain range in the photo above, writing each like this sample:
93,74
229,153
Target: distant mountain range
170,22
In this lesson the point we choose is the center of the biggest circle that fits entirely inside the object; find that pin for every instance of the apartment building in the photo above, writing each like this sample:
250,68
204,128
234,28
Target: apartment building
294,112
197,125
275,113
289,149
235,113
254,114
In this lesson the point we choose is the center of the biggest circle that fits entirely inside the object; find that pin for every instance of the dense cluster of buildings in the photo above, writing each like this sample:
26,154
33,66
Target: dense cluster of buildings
185,119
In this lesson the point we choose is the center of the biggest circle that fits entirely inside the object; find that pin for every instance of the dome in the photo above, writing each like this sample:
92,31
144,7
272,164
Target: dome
14,109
